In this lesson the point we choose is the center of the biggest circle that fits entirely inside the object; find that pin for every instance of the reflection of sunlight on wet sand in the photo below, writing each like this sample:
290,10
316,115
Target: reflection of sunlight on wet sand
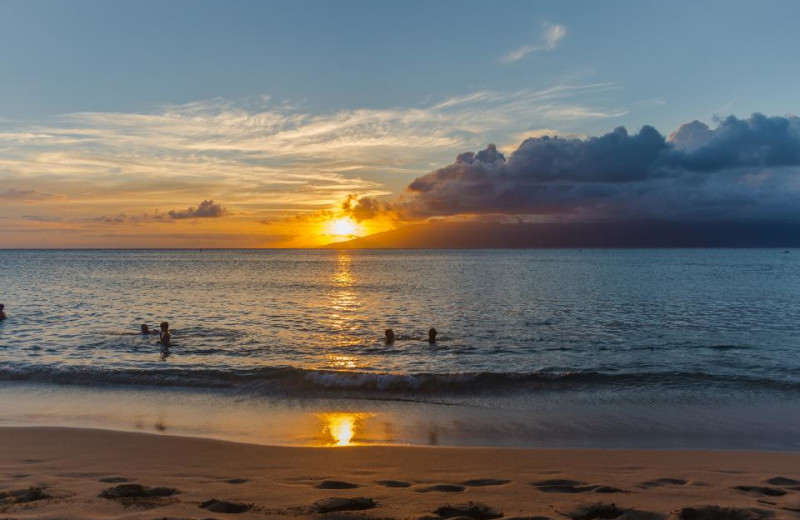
341,429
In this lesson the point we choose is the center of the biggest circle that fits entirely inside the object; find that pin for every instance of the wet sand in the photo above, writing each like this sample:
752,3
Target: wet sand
75,473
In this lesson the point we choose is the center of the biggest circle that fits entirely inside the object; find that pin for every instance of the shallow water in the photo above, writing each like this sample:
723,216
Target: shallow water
535,346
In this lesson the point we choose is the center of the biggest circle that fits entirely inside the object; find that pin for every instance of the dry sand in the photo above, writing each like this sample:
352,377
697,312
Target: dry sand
69,469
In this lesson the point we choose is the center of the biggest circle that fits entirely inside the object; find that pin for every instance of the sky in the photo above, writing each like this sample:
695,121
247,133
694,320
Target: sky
296,124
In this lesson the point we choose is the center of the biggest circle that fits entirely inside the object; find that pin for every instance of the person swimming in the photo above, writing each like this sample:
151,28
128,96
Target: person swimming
2,312
432,336
164,336
389,336
146,329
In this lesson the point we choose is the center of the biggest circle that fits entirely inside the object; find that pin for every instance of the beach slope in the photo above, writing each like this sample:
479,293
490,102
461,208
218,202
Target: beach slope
76,473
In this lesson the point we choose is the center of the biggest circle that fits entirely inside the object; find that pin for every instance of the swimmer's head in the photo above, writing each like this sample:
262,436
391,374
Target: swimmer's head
164,325
145,329
389,335
2,306
432,335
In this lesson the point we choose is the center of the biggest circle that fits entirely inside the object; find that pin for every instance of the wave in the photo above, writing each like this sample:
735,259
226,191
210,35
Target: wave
300,381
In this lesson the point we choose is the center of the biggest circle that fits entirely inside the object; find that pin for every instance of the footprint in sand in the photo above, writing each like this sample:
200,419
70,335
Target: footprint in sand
595,511
572,486
471,510
784,482
484,482
22,496
393,483
113,480
600,511
337,504
721,513
336,484
136,491
761,491
441,488
666,481
222,506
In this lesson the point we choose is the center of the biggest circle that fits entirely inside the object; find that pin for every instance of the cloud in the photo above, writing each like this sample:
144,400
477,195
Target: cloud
41,218
553,35
548,41
124,218
206,209
365,208
756,142
744,169
267,162
268,156
27,195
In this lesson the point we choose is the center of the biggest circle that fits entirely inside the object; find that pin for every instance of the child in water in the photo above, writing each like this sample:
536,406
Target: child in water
164,335
2,312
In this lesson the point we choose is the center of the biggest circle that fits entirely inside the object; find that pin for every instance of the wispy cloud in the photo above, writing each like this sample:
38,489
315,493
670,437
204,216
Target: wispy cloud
266,162
27,195
551,35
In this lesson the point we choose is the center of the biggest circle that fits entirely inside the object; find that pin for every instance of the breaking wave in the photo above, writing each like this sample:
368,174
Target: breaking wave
299,381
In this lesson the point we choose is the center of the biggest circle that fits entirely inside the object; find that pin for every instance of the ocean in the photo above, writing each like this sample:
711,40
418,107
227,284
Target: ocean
537,348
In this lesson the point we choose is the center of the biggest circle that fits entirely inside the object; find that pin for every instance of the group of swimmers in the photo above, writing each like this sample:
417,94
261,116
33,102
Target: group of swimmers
390,336
163,334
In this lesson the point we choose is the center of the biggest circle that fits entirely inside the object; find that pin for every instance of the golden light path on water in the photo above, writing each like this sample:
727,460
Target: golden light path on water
345,316
339,429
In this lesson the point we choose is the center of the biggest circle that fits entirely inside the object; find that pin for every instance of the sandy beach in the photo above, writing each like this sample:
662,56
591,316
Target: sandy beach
77,473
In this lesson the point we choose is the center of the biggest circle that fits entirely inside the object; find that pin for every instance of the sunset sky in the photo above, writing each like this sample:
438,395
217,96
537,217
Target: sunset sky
297,124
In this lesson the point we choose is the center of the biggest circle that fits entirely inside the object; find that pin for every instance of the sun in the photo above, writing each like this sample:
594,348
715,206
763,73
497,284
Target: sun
343,227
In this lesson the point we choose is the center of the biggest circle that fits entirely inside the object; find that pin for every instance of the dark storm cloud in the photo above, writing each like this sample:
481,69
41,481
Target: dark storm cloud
759,141
206,209
742,169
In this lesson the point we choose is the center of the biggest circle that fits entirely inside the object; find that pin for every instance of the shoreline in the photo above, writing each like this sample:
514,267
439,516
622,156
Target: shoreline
356,446
539,423
73,466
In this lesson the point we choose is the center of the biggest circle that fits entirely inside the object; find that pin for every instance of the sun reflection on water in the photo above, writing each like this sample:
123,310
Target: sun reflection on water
341,428
342,362
345,314
344,302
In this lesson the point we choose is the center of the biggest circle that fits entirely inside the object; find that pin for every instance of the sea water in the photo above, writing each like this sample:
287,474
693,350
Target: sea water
557,348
